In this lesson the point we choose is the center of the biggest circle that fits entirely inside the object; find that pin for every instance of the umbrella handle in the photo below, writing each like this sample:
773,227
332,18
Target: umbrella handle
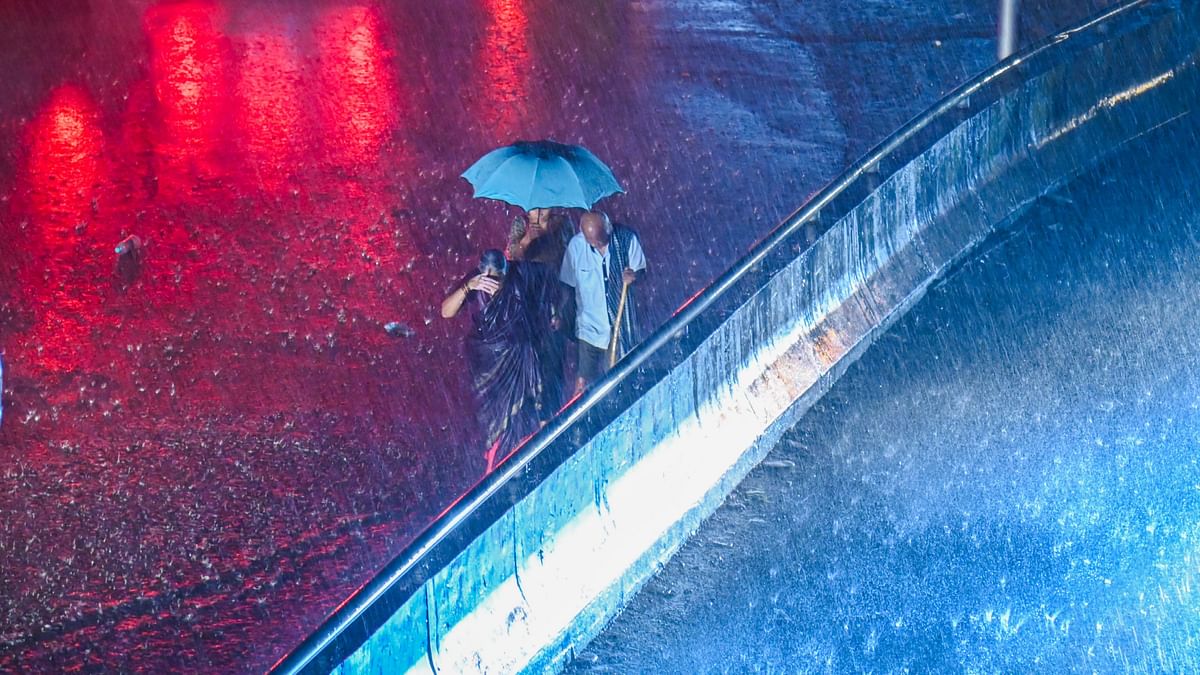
616,332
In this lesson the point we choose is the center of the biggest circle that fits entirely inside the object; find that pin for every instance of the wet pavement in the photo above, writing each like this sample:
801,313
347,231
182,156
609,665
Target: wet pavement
1005,482
211,441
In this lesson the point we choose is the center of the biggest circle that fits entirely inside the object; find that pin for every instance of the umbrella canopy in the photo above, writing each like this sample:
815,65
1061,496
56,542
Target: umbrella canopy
542,174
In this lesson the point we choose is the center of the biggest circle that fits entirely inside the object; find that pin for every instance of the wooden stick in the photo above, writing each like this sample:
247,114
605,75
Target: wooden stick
616,331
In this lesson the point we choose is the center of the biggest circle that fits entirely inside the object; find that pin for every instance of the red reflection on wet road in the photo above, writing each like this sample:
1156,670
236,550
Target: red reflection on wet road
269,112
63,170
505,63
63,176
188,70
357,106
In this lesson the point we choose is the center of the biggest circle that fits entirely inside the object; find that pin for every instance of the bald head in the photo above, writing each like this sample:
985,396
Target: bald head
595,228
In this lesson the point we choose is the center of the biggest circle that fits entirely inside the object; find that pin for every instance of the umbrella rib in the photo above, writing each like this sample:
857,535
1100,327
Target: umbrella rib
533,181
587,198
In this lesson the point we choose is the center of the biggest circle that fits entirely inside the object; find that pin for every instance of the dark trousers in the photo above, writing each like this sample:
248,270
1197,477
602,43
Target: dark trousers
593,362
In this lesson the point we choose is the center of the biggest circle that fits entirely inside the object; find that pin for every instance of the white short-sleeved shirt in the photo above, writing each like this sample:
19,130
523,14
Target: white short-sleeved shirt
583,269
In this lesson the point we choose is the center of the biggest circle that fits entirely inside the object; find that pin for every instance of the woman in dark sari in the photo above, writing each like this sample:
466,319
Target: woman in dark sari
541,236
510,305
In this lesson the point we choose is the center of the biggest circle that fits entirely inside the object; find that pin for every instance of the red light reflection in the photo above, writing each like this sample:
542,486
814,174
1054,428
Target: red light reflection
187,68
506,63
63,176
63,172
269,113
358,82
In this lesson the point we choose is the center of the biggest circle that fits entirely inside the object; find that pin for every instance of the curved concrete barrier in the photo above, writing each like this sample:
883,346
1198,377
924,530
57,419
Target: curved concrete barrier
540,555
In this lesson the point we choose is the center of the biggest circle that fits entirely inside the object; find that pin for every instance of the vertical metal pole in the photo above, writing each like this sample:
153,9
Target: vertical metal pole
1006,40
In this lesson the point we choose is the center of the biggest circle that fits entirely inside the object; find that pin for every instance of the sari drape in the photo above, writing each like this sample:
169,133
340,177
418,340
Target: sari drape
516,387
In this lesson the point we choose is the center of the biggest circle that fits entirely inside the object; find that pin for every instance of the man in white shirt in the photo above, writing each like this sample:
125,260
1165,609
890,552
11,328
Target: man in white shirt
599,263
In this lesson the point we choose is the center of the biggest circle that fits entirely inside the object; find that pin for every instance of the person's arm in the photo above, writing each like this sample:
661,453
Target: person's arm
519,239
637,262
568,279
518,249
566,273
454,302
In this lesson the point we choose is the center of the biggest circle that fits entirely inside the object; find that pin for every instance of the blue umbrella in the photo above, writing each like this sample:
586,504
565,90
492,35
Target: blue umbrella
542,174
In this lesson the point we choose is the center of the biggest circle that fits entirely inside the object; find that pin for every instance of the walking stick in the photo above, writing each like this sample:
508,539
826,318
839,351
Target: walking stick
616,336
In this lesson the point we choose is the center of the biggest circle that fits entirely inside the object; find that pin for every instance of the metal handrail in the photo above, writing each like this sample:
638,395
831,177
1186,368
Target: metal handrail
984,88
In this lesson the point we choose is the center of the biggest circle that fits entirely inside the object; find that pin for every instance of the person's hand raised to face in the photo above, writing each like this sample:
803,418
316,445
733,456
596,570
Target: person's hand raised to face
485,283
